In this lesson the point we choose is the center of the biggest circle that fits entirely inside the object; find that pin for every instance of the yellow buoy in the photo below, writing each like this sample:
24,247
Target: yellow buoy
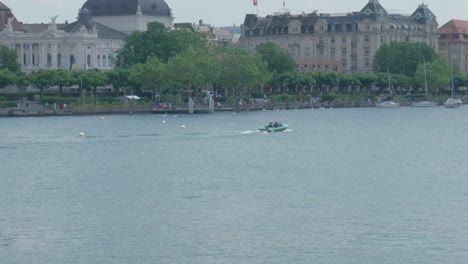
82,134
183,127
164,121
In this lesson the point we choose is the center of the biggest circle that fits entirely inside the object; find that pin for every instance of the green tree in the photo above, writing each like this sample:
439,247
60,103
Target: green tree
8,59
61,79
119,78
6,78
22,81
159,42
95,78
149,76
438,75
402,57
192,70
42,79
241,71
279,60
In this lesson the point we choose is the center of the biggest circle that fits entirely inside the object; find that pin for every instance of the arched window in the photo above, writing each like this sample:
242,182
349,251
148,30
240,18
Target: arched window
104,61
99,61
49,60
88,61
59,60
33,60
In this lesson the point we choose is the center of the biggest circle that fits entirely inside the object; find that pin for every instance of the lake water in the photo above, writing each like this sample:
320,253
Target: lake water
341,186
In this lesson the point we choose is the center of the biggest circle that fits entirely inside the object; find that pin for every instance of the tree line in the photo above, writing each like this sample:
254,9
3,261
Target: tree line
184,62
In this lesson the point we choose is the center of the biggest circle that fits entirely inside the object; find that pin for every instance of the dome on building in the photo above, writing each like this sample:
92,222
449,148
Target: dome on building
128,7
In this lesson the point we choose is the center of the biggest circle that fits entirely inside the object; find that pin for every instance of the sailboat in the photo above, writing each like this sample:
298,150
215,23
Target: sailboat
452,102
391,103
424,103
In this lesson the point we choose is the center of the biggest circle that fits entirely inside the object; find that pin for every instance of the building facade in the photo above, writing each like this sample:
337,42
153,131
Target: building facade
339,42
453,43
85,43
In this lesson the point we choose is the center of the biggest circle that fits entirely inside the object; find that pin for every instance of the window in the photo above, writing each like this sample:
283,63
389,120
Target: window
88,61
343,40
49,60
104,61
344,63
366,38
59,60
321,51
366,51
321,28
332,52
99,60
332,40
343,52
367,26
367,63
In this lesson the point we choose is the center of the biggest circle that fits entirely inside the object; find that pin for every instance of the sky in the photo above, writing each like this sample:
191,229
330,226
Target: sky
230,12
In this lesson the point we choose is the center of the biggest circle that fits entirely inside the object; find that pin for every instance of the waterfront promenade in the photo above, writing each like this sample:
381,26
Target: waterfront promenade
38,110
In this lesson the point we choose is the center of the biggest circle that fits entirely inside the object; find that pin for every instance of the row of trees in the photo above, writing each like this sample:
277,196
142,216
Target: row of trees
182,61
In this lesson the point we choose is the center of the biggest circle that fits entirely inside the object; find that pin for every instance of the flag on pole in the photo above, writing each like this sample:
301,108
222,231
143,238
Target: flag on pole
72,63
255,2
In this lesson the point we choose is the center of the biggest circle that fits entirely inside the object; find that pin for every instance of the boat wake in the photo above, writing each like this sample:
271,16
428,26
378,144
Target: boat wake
248,132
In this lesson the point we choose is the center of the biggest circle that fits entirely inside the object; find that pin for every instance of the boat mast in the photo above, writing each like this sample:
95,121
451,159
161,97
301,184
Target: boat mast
452,82
425,78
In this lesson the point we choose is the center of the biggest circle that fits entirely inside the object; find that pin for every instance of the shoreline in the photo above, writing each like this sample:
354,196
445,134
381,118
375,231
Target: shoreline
6,113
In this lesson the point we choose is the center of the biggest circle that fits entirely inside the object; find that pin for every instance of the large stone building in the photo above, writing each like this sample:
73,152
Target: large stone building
453,43
89,42
339,42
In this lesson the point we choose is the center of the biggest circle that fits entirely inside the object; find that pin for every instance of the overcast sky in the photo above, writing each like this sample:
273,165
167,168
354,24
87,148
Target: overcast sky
229,12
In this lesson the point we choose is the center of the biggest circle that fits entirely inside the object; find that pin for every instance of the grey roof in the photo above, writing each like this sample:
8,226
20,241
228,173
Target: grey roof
423,14
3,7
373,10
127,7
104,32
336,22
